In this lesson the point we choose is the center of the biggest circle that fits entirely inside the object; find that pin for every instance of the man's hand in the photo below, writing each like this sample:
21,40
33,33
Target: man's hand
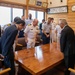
47,35
1,56
26,40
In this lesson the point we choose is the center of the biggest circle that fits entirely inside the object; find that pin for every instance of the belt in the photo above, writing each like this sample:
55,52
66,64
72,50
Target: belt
31,38
47,33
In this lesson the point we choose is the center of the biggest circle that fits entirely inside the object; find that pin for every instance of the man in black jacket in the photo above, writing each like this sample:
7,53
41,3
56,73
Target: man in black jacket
7,41
40,26
67,41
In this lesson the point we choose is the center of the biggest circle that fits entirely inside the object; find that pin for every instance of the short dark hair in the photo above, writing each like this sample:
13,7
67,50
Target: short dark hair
52,18
20,22
16,19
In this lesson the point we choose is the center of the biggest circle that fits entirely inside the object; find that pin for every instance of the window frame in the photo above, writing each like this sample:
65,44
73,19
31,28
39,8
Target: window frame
11,12
37,13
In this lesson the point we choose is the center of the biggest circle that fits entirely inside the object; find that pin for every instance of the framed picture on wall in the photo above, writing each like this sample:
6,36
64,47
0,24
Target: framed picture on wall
32,2
38,3
44,4
56,10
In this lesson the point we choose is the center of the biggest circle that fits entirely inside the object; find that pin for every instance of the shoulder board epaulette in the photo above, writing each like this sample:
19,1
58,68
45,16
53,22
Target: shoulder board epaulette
29,24
8,24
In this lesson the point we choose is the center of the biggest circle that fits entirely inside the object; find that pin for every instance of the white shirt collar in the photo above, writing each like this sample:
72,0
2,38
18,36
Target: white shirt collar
64,27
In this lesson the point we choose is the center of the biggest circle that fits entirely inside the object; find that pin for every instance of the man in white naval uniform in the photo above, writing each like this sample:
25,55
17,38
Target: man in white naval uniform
53,34
29,20
58,32
31,33
46,30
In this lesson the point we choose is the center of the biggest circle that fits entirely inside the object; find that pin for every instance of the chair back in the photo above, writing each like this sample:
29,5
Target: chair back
22,41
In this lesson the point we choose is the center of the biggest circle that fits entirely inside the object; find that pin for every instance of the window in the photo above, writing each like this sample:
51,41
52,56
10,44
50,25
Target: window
40,16
5,15
37,14
17,12
33,12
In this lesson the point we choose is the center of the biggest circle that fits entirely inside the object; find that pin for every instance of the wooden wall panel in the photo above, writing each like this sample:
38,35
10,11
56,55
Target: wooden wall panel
43,0
58,16
70,16
56,3
16,1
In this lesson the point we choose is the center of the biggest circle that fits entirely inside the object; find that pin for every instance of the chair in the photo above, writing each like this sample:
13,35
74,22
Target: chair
38,41
21,44
72,70
4,72
18,47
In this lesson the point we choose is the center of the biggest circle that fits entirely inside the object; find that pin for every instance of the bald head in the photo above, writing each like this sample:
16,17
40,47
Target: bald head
62,22
35,22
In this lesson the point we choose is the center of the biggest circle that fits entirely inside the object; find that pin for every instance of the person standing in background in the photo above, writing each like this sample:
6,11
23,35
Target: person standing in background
29,20
58,33
31,33
40,26
53,35
6,44
46,30
21,32
23,17
67,45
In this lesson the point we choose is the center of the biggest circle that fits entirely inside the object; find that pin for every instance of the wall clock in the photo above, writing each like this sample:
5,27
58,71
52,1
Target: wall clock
73,8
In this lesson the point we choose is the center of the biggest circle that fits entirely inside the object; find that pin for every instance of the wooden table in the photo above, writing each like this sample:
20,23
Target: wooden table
39,59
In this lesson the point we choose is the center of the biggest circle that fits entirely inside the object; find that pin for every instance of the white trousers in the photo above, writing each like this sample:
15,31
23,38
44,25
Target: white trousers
53,36
58,39
31,43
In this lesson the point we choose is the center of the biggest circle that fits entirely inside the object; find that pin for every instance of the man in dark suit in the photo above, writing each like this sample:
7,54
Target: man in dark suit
67,41
40,26
0,30
7,41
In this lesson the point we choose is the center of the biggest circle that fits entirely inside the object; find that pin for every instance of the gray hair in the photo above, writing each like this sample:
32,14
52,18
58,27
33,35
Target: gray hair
63,21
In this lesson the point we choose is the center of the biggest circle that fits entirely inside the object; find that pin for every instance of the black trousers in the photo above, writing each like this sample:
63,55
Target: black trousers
69,63
9,63
45,39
